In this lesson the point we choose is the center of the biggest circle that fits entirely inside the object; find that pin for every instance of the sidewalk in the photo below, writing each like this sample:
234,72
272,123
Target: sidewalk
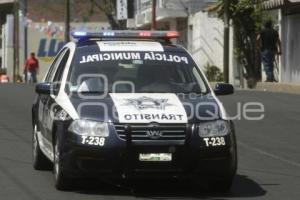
278,87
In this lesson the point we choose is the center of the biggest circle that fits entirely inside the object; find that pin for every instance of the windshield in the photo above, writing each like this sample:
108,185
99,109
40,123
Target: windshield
138,72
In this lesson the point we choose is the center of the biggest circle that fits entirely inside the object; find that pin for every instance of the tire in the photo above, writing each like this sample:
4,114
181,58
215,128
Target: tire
39,160
61,180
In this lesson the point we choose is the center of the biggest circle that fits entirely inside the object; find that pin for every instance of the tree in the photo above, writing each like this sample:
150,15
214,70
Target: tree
108,7
246,17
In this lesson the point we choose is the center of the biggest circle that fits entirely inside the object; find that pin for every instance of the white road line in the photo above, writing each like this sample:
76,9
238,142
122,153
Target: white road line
269,154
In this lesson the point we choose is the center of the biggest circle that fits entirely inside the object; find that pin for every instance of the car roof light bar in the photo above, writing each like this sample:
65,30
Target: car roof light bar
164,35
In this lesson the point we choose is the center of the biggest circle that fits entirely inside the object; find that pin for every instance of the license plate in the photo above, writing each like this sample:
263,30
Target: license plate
155,157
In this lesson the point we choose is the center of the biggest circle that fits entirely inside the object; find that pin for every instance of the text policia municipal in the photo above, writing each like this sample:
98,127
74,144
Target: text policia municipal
133,56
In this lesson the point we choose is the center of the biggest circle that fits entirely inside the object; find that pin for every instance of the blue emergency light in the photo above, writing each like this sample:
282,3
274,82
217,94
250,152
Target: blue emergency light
163,35
79,34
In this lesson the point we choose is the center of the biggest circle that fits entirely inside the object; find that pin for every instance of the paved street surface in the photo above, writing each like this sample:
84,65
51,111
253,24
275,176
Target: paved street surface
269,154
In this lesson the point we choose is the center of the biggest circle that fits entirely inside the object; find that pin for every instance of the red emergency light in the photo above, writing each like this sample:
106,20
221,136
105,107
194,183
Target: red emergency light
163,35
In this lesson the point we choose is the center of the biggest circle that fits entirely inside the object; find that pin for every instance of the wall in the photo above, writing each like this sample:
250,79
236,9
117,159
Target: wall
206,39
44,39
290,71
206,43
46,47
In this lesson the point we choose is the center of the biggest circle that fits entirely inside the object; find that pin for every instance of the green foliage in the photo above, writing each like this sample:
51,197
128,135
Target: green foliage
246,18
213,73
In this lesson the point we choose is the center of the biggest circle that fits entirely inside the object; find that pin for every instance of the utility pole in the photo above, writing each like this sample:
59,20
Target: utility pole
25,35
67,21
153,24
226,40
16,41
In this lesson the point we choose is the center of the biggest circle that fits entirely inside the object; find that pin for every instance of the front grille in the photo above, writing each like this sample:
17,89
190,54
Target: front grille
141,131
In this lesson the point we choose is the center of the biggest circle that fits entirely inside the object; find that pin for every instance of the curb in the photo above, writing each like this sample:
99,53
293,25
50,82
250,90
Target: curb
278,87
272,87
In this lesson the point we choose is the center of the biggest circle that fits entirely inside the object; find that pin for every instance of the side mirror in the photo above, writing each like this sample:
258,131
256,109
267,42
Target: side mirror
224,89
55,88
43,88
47,88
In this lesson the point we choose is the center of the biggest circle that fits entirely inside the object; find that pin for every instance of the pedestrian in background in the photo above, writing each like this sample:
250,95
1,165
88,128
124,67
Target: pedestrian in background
270,45
31,68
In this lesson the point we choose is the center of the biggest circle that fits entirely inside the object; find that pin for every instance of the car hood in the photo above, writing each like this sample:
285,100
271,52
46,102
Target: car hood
147,108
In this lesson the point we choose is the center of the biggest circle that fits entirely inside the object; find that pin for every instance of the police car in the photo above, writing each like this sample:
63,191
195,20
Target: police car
130,105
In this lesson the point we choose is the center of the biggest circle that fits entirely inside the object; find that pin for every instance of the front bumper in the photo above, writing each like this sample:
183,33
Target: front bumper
119,158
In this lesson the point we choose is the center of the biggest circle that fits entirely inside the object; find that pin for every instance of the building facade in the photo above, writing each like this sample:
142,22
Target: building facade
289,29
290,34
170,15
201,31
45,31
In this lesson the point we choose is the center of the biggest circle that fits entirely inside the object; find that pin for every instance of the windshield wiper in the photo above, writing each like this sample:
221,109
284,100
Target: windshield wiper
90,92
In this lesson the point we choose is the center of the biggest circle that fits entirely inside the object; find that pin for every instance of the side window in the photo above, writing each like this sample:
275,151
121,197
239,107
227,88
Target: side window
199,80
54,66
61,67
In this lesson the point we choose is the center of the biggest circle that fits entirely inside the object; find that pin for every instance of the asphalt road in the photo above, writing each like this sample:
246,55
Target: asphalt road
269,154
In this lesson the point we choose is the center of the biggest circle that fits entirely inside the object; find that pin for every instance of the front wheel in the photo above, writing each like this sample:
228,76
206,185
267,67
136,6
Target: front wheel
62,181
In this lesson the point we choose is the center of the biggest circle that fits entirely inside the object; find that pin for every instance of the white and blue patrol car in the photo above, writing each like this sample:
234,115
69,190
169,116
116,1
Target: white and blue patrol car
131,105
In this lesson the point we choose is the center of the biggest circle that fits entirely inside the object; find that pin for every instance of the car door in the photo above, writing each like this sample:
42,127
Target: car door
51,106
45,97
42,98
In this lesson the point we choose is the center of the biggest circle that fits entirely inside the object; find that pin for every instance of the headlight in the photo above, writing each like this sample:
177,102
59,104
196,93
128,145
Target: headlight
89,128
214,129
